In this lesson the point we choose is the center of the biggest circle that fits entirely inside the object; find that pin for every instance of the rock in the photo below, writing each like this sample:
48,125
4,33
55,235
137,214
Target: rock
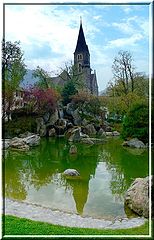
101,133
41,127
137,196
71,172
76,117
73,149
90,130
87,141
6,144
70,109
18,143
97,140
109,134
26,134
52,132
116,133
83,135
53,118
32,140
73,134
84,122
43,131
135,143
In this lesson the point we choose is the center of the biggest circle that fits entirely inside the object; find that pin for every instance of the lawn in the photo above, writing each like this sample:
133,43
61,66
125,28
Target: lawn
20,226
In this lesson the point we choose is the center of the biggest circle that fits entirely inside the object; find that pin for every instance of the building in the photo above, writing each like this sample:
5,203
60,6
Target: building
82,63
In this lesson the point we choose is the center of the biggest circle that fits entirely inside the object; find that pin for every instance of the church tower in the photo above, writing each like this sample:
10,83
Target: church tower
82,61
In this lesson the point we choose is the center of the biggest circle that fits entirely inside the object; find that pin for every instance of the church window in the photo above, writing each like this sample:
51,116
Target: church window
79,68
80,56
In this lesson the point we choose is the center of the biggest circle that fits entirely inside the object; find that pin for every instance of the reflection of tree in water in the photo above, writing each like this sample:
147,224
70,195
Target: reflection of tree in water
45,163
14,186
123,166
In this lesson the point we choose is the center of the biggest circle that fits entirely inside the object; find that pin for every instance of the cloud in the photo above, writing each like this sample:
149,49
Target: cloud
121,42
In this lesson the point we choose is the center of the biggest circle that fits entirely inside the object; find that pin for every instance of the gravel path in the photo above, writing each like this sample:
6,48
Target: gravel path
39,213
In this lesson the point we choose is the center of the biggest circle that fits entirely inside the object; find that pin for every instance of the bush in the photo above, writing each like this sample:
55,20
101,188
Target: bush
19,125
136,122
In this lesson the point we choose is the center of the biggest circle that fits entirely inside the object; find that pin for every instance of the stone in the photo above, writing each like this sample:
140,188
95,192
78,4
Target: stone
52,132
87,141
32,140
90,130
84,122
76,118
137,196
116,133
71,172
101,133
18,143
135,143
53,118
6,144
109,134
73,149
41,127
43,131
26,134
73,134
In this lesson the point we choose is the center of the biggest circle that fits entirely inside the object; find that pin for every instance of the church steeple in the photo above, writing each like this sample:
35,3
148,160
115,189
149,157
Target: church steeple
81,42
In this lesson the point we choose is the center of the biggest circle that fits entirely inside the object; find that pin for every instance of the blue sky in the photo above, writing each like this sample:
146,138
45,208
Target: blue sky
48,35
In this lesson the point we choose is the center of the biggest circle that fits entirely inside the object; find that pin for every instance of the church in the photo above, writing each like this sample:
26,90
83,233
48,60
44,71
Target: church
82,62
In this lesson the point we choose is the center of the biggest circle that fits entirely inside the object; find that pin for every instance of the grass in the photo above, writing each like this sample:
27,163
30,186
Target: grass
21,226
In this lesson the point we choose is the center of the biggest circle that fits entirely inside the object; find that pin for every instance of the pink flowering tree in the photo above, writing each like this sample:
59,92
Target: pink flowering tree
41,101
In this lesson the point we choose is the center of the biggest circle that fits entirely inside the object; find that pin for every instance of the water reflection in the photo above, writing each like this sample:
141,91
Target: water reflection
37,176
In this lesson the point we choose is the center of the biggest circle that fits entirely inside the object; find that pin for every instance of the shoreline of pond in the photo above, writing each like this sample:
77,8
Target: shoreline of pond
39,213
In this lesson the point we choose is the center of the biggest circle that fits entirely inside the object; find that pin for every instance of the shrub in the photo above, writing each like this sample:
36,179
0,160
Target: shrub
136,122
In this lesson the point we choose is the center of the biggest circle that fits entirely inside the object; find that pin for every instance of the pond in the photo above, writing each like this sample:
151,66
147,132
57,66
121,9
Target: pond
106,170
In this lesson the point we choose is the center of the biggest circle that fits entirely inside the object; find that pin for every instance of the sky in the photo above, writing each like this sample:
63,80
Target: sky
48,35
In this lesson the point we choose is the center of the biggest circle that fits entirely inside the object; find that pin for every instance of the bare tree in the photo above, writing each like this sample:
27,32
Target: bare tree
123,71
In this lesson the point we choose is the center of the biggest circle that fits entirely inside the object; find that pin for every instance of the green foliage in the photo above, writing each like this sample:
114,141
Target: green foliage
20,124
136,122
21,226
68,91
13,71
43,76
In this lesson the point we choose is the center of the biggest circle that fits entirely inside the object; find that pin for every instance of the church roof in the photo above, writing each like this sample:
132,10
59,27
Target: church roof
81,45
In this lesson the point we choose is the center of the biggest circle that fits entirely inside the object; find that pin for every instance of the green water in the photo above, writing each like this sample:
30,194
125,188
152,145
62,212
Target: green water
106,170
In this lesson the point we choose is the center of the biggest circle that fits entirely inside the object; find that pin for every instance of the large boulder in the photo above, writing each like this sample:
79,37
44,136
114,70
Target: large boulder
137,196
52,132
101,133
73,134
53,118
89,130
134,143
71,172
32,140
41,127
76,117
18,143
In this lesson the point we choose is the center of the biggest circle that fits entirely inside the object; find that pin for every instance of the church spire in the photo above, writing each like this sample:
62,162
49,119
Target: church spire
81,42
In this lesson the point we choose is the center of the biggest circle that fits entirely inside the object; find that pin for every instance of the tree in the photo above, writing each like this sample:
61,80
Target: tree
74,82
13,71
41,101
44,78
127,87
136,122
123,71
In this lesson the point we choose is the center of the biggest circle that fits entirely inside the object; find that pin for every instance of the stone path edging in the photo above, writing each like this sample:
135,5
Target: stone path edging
42,214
